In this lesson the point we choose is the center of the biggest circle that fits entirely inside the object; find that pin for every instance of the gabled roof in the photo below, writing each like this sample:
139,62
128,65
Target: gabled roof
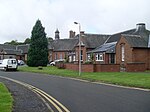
140,30
24,48
12,52
117,36
63,44
7,46
14,49
107,47
136,41
93,40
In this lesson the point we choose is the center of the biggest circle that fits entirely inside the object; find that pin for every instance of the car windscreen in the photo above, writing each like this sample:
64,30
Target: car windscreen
12,61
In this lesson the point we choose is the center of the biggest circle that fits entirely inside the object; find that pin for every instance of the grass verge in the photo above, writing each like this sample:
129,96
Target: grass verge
141,80
6,100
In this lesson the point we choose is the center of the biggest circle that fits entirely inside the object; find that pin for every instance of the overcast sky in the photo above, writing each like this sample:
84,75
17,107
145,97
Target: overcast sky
17,17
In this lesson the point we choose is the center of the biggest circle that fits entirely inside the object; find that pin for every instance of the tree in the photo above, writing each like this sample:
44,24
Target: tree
38,51
27,41
13,42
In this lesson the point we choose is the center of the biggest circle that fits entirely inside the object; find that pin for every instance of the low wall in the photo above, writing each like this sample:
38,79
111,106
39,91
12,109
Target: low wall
93,67
135,67
130,67
107,68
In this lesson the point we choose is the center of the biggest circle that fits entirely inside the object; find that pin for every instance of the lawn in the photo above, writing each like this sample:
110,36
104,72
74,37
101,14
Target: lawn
6,100
141,80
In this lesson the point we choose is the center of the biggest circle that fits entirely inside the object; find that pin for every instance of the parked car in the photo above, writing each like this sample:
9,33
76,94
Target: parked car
9,64
21,62
53,63
1,61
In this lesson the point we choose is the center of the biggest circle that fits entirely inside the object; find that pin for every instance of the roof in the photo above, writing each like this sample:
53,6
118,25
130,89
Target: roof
117,36
12,52
7,46
136,41
63,44
107,47
93,40
24,48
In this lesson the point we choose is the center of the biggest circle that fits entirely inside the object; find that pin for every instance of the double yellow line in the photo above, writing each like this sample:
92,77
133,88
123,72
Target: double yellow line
59,107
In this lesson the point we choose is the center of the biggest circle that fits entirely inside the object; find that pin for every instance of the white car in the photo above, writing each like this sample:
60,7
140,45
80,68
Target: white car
53,63
9,64
21,62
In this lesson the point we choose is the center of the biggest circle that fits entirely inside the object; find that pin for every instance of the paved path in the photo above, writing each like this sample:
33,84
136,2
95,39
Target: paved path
80,96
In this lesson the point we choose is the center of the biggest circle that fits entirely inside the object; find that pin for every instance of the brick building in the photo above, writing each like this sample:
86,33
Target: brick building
14,51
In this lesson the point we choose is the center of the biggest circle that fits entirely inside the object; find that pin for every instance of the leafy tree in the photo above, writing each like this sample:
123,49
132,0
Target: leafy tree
13,42
49,39
38,51
27,41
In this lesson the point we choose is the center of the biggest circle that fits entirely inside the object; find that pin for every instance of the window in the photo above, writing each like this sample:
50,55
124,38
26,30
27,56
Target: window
55,56
88,57
81,57
99,57
77,56
122,52
74,58
112,58
70,58
60,56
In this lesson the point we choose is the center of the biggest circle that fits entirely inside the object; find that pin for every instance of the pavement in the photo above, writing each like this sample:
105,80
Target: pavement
25,100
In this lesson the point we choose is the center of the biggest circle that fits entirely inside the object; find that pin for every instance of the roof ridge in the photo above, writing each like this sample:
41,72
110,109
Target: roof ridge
131,35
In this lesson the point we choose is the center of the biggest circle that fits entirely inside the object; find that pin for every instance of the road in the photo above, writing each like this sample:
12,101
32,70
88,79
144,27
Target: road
79,96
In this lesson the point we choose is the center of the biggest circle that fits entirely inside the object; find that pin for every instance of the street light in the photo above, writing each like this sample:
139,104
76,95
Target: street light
79,47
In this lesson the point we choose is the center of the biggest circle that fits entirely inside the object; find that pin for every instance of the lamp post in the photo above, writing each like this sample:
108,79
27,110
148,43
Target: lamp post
79,47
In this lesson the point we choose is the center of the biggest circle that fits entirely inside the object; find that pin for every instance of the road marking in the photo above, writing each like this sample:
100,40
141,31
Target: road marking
50,99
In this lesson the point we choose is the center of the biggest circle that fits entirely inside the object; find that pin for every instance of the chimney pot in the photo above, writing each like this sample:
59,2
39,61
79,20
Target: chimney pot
71,34
140,27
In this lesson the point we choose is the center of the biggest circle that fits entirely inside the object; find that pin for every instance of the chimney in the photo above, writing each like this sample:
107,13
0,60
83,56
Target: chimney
71,34
57,35
81,33
140,27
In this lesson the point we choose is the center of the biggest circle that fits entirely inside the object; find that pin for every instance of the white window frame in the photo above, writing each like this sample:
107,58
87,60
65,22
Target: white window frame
88,57
60,57
122,53
70,58
99,57
74,58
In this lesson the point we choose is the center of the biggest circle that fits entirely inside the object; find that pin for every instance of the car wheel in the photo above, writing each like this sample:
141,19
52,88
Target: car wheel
5,69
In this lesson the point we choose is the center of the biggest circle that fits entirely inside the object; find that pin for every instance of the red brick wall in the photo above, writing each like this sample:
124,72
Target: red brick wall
58,55
135,67
134,55
128,52
94,67
107,68
75,67
142,55
71,66
83,48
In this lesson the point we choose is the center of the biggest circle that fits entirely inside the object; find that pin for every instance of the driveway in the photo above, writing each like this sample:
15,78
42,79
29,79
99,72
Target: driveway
79,96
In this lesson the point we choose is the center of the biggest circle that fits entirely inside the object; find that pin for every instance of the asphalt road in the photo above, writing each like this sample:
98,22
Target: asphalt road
80,96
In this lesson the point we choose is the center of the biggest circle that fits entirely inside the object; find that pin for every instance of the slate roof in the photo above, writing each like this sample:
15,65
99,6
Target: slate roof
107,47
93,40
136,41
117,36
12,52
14,49
63,44
7,46
24,48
